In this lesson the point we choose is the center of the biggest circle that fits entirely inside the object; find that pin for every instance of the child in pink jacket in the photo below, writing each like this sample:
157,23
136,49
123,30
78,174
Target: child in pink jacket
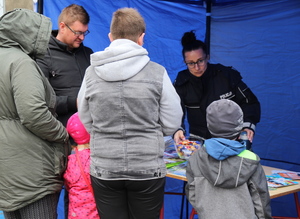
77,176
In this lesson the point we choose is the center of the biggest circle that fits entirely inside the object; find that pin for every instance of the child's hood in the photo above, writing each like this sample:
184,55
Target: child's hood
228,173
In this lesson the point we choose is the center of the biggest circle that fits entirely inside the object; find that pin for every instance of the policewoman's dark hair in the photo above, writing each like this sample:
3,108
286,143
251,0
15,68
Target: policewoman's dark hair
189,43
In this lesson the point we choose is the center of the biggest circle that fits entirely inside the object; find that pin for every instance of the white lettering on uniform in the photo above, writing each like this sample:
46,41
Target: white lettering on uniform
224,96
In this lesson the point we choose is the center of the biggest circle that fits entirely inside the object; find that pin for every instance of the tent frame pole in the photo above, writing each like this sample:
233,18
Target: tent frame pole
40,6
208,24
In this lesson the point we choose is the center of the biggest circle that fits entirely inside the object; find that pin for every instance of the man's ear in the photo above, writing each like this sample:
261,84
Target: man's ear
62,27
61,31
141,39
110,37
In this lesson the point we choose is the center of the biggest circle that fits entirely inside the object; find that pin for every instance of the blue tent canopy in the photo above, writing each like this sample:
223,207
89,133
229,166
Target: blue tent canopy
258,38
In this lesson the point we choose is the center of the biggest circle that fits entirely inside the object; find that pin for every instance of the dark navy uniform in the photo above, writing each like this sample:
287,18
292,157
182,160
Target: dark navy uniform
217,82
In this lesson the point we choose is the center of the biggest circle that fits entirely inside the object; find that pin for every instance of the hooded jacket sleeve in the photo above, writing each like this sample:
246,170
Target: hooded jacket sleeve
30,99
190,186
258,188
83,107
170,109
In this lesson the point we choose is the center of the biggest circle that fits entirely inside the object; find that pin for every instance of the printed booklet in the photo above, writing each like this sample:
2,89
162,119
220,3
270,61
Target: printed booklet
287,174
275,181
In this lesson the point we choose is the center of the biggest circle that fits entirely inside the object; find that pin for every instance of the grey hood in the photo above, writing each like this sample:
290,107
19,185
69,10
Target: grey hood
34,40
130,57
229,173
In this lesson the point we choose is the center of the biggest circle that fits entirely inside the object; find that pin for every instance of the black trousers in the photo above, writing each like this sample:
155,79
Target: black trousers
45,208
129,199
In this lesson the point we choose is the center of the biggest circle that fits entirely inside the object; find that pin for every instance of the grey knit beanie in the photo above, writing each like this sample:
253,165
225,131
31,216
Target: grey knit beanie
224,119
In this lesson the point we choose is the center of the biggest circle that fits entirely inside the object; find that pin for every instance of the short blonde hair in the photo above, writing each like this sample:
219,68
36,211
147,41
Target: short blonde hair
127,23
74,13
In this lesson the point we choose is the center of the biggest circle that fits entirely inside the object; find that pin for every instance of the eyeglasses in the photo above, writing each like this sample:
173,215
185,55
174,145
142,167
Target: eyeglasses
78,33
200,62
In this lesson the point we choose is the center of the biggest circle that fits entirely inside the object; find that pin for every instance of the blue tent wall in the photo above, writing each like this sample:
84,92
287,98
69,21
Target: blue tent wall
162,39
259,39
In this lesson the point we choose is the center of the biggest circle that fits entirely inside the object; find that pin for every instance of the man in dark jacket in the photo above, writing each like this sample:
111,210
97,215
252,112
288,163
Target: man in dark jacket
67,59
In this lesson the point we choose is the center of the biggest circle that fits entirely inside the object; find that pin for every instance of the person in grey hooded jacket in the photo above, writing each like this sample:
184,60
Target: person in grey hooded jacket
33,143
128,104
225,180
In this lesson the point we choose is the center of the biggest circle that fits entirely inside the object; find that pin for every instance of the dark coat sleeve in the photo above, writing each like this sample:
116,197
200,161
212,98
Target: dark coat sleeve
245,98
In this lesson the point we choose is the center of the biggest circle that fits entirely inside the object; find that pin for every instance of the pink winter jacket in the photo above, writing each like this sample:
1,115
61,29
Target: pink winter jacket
81,200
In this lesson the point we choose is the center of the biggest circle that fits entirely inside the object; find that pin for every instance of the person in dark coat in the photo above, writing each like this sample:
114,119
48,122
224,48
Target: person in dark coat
202,83
67,59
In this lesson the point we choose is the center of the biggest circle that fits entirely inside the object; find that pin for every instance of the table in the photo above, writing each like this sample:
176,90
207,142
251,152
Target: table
282,191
